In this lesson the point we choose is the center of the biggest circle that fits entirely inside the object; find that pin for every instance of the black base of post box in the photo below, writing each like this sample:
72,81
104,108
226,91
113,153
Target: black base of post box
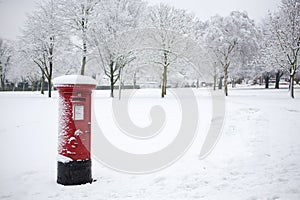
74,172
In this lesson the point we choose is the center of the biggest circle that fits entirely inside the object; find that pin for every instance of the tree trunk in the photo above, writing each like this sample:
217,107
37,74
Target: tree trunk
267,80
134,80
120,83
49,87
277,80
50,79
112,80
226,80
279,74
14,87
163,88
215,82
225,87
84,50
49,76
32,86
2,83
292,78
166,80
220,83
43,84
38,86
83,61
112,90
3,78
215,76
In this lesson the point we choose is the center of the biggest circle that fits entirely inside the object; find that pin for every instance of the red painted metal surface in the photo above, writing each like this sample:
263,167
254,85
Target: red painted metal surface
75,121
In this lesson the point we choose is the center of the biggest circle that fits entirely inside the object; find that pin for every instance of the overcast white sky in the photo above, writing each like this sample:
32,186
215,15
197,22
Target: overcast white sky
13,12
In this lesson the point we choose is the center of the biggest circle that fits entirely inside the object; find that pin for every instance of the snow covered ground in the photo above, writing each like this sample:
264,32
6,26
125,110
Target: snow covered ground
256,158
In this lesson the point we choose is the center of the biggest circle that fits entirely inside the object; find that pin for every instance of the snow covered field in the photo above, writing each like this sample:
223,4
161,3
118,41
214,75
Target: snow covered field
256,158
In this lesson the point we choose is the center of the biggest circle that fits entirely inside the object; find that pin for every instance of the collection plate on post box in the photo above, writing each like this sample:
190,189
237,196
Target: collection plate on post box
78,112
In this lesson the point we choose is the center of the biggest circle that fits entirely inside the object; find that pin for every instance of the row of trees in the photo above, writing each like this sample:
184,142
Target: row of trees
117,39
5,57
280,45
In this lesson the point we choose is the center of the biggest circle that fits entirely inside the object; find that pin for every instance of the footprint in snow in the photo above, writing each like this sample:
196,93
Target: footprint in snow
5,196
293,111
160,179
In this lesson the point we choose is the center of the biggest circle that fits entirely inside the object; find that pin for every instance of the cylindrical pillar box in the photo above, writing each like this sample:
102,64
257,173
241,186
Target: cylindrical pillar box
74,137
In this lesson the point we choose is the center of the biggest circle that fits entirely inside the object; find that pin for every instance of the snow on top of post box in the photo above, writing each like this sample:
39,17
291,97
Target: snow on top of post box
74,79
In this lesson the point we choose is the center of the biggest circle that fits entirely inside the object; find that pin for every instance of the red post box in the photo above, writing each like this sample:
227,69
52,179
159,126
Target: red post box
74,137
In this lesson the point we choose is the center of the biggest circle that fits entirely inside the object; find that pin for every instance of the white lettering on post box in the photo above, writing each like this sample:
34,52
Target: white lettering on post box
78,112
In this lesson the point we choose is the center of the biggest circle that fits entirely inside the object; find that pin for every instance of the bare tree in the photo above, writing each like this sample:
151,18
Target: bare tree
269,60
78,16
39,39
115,48
229,37
286,28
5,60
170,25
